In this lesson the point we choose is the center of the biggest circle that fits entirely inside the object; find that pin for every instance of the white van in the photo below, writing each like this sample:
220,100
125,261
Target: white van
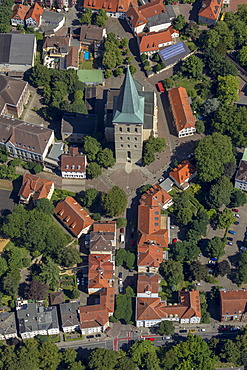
121,238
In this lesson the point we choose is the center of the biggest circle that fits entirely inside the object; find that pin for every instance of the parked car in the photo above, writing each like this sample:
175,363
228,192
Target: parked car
152,339
197,284
192,331
236,223
210,271
121,238
133,242
174,240
120,289
235,210
213,259
223,328
98,335
122,230
202,329
172,227
183,331
211,262
90,336
233,328
161,179
243,249
120,275
236,215
232,232
160,87
78,281
231,239
166,338
229,243
120,282
82,281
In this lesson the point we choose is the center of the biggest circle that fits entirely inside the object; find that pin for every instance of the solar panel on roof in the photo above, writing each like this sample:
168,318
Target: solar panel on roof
172,51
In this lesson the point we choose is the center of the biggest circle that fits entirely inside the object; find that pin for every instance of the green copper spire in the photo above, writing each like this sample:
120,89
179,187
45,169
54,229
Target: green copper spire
129,106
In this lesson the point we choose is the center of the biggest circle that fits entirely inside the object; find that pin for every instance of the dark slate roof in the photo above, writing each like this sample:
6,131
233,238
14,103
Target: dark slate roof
77,123
161,18
10,90
56,298
175,57
16,48
7,323
101,242
129,105
31,317
241,174
69,314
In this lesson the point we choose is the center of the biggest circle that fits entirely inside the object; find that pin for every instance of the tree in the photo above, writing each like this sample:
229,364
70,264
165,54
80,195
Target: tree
119,71
241,276
179,22
49,273
87,16
230,169
68,256
49,356
45,206
101,18
91,147
151,146
195,271
238,198
124,306
108,73
225,219
40,75
90,197
129,59
124,43
228,87
192,67
140,352
212,39
11,282
210,106
120,256
230,351
211,154
184,216
172,271
168,83
3,154
200,127
144,188
223,268
3,266
215,247
121,222
192,30
36,290
105,158
242,56
125,363
132,69
166,327
93,170
114,202
220,193
102,359
130,260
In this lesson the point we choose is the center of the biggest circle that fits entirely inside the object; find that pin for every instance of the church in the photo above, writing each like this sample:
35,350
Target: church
130,119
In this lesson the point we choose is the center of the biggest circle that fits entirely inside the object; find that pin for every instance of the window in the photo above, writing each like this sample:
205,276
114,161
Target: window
120,129
156,224
135,138
136,129
121,138
156,218
156,212
128,138
128,129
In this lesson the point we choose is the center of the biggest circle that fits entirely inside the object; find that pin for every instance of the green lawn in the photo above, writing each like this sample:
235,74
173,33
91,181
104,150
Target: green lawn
87,64
188,85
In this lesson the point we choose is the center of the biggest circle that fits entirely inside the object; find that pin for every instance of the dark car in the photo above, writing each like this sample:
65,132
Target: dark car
120,274
98,335
90,336
236,223
223,328
231,239
182,331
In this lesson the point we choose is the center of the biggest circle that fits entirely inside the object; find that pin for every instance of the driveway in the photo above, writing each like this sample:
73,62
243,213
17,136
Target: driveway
6,200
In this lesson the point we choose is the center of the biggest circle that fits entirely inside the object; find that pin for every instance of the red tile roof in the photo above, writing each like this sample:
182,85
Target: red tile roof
105,226
19,11
100,271
148,282
93,316
181,108
150,252
35,13
233,302
152,40
72,59
155,309
138,16
107,299
73,161
72,215
182,172
35,187
109,5
211,9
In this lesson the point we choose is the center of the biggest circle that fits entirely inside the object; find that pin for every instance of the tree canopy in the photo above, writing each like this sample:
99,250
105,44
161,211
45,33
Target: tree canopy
114,202
215,247
220,193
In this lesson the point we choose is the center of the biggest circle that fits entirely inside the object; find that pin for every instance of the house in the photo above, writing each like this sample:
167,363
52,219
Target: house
150,311
18,15
72,58
25,140
152,16
150,43
73,164
241,175
91,34
69,317
51,22
182,174
148,285
35,319
173,54
17,51
14,94
100,272
35,188
73,216
56,298
53,158
7,325
75,126
233,305
115,8
34,15
101,242
131,117
55,50
95,318
210,11
153,229
106,227
183,117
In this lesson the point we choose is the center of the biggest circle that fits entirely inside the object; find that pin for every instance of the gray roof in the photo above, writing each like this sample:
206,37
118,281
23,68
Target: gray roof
148,109
7,323
69,314
176,57
17,48
56,151
241,174
51,17
161,18
129,105
166,184
23,135
77,123
31,317
11,90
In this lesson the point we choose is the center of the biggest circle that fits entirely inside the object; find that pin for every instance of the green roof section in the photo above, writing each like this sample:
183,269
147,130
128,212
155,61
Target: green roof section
245,155
129,106
91,76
